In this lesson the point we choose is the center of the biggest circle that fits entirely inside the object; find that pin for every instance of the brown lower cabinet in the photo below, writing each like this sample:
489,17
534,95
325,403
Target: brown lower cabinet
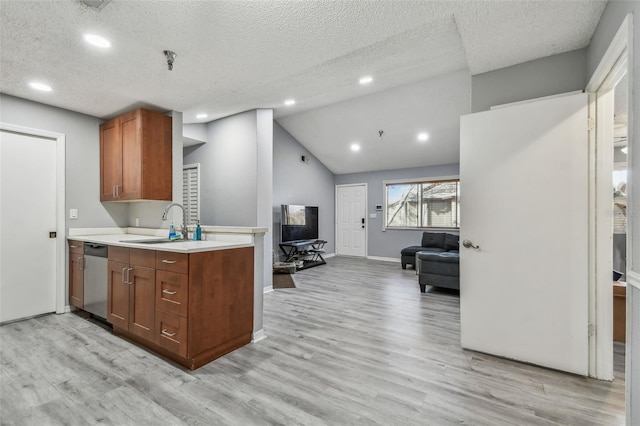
131,291
191,308
76,273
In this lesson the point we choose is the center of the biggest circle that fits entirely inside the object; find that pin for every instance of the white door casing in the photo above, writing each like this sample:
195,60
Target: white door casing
32,264
617,61
351,220
524,292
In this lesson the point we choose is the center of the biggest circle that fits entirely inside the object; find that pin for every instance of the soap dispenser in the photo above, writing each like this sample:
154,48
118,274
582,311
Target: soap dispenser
197,235
172,231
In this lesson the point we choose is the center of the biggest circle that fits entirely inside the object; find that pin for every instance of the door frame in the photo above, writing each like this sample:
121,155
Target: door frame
366,218
61,231
614,64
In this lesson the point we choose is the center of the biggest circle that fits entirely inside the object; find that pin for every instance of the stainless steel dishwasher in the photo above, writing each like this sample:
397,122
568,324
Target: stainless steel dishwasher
95,279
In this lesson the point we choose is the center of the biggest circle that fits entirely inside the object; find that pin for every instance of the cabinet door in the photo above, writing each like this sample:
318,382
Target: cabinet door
118,296
110,161
143,285
131,133
76,279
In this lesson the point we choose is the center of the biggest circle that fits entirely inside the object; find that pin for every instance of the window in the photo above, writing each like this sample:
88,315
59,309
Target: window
191,192
422,203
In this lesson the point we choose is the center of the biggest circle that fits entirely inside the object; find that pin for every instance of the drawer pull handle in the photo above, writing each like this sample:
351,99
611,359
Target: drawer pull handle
169,261
166,333
165,291
73,246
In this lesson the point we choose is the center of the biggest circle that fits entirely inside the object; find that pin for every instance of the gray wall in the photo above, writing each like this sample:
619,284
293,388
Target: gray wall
555,74
295,182
264,186
610,22
389,243
228,167
82,159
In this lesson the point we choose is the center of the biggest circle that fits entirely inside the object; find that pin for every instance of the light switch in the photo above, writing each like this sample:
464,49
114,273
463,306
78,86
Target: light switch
73,213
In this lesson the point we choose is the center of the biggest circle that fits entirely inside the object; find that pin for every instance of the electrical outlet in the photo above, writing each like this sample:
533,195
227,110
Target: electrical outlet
73,213
137,221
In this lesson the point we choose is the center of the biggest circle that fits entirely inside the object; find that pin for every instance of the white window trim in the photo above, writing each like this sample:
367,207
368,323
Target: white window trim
412,180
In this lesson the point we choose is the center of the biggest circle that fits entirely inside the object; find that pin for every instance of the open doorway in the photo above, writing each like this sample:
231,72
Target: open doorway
613,116
619,237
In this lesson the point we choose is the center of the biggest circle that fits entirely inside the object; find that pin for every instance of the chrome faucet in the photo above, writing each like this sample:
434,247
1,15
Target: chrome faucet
185,235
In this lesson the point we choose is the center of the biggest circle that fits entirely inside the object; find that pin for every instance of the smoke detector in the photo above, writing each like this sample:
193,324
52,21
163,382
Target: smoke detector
96,4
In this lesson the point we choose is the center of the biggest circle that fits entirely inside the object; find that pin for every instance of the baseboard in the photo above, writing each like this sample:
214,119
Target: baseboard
633,278
266,290
256,336
328,255
384,259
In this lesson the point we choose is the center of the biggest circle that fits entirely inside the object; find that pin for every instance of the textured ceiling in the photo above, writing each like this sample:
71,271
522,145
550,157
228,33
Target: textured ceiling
238,55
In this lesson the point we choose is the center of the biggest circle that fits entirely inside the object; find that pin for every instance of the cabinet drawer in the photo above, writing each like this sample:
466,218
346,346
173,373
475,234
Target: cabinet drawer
172,262
76,247
142,257
171,332
172,292
119,254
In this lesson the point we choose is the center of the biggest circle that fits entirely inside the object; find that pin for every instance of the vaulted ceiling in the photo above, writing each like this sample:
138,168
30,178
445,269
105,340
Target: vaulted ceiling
233,56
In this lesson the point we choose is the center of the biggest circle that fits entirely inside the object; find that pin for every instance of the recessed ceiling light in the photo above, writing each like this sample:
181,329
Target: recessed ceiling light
366,79
40,86
624,150
202,115
423,136
96,40
355,147
290,102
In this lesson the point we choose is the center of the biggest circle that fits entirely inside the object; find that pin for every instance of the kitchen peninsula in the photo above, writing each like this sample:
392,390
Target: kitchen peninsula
190,301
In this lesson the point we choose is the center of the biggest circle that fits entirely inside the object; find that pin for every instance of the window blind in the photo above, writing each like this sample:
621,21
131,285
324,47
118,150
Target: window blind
191,192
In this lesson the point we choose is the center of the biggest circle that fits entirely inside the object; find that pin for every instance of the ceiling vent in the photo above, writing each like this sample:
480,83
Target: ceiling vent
96,4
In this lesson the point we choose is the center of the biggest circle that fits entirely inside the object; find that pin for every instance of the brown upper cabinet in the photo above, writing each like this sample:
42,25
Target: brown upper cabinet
135,157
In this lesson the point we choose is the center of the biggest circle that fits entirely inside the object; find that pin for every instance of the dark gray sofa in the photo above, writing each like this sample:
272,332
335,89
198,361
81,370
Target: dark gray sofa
439,270
433,242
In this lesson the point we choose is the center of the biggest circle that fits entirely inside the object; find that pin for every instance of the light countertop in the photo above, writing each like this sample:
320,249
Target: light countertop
181,246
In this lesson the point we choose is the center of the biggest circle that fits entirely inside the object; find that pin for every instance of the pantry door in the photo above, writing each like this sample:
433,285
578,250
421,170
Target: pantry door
29,269
525,216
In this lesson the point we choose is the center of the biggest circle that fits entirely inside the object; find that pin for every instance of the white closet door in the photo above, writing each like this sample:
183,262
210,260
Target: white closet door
27,216
524,174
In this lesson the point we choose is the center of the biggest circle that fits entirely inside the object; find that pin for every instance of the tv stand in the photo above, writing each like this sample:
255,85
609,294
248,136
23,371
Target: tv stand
305,254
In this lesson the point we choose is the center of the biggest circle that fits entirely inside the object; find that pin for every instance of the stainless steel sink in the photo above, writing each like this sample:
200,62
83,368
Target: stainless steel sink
152,241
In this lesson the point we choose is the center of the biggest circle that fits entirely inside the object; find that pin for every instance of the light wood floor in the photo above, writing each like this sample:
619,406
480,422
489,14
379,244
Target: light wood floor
355,343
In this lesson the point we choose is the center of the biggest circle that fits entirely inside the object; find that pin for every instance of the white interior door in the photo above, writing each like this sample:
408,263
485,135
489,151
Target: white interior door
27,215
351,220
524,177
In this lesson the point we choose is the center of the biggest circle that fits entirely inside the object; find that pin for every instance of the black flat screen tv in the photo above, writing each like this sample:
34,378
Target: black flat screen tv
299,223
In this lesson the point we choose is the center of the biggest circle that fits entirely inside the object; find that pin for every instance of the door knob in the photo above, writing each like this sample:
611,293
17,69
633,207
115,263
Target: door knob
469,244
